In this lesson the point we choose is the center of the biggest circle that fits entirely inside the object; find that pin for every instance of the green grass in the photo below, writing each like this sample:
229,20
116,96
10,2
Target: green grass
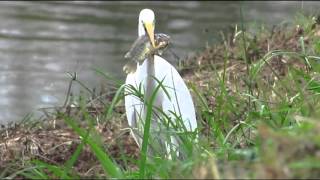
258,121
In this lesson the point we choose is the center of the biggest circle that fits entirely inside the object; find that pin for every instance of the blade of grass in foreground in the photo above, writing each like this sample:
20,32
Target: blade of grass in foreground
37,174
147,131
55,170
109,167
74,157
40,171
115,100
27,172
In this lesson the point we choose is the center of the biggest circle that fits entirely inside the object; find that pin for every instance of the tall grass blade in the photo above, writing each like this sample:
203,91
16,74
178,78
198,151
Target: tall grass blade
115,100
68,165
146,132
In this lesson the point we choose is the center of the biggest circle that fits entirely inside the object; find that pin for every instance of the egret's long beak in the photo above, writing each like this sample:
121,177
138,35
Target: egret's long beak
149,27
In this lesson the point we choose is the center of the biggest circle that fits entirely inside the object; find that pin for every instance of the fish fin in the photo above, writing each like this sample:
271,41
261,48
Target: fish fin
130,67
127,55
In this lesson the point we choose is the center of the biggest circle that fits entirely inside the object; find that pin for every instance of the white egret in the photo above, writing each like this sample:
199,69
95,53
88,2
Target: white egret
180,100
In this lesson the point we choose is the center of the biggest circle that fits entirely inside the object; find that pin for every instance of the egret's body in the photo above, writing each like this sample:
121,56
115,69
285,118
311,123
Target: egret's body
179,101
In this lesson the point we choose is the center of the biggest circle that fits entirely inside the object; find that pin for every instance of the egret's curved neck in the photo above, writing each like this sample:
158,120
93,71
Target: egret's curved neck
150,75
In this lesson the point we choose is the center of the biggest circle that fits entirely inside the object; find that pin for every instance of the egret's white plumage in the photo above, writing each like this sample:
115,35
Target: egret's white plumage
180,100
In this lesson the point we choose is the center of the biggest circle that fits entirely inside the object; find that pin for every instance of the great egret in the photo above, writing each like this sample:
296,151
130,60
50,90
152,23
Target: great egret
180,102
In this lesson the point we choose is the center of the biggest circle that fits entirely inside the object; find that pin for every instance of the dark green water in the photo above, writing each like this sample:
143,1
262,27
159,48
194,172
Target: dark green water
41,41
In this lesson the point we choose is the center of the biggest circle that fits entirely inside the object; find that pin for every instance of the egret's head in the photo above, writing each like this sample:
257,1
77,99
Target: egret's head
147,24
